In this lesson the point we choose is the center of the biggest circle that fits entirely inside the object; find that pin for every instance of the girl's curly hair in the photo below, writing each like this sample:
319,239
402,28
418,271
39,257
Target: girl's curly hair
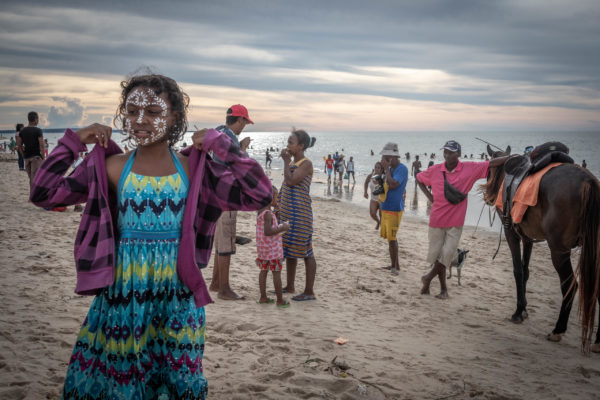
159,84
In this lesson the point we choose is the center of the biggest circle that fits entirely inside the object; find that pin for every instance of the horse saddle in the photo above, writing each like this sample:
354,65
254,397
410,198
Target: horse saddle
519,167
547,153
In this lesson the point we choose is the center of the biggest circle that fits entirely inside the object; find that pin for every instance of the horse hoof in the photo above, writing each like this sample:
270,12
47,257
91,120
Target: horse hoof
554,337
595,348
516,319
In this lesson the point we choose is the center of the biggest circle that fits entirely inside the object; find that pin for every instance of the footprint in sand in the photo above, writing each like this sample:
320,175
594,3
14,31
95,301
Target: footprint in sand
587,372
248,327
253,388
279,340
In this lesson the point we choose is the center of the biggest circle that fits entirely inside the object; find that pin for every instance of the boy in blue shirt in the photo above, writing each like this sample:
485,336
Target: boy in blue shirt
396,177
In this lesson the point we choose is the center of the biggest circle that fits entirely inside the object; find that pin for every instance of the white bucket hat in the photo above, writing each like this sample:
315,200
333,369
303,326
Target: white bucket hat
390,149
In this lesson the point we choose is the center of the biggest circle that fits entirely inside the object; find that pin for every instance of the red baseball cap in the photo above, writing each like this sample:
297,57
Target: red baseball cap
239,110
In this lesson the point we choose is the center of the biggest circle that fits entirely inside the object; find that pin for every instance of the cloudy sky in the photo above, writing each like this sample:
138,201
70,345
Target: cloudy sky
322,65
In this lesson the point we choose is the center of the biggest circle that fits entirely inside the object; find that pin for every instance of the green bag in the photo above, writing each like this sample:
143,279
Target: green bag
346,175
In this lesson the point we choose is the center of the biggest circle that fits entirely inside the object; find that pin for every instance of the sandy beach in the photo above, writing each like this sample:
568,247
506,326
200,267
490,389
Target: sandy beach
401,345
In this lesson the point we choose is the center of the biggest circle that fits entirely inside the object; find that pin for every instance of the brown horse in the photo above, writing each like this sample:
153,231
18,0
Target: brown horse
567,215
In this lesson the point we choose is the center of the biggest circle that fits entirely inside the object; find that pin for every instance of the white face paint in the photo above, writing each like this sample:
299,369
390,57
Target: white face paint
160,125
144,102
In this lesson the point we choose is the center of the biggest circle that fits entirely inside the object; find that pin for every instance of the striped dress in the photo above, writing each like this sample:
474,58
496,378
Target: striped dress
295,208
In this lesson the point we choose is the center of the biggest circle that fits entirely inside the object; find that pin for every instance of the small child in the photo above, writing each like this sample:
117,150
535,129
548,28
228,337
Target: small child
270,251
378,185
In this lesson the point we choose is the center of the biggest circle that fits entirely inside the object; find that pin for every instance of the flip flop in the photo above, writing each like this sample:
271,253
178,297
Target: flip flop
284,305
303,297
269,301
242,240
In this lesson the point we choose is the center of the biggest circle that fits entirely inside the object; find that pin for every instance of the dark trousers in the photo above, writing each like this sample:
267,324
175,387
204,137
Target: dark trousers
21,162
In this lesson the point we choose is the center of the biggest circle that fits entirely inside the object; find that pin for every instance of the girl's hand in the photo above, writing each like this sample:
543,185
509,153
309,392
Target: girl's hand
95,133
286,156
198,138
284,227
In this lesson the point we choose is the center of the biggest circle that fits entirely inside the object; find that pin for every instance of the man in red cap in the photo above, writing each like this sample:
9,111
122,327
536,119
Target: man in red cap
225,232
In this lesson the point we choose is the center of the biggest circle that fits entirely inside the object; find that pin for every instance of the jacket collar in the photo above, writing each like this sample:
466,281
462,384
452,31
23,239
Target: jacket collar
459,167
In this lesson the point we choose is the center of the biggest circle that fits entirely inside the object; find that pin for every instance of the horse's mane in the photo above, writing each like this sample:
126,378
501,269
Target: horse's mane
495,178
491,188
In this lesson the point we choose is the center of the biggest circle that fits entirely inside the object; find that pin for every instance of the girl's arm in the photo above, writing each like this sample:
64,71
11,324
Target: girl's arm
50,187
292,178
269,230
367,185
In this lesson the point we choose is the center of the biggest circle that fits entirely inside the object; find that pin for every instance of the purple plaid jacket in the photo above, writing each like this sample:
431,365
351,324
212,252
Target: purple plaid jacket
240,184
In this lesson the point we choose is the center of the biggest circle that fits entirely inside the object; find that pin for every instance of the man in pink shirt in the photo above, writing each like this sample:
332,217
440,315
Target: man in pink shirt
452,180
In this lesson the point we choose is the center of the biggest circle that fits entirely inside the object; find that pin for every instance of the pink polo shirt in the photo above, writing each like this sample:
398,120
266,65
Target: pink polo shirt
443,213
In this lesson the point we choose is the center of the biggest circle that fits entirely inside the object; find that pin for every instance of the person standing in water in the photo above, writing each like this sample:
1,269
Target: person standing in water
268,159
350,169
416,167
329,167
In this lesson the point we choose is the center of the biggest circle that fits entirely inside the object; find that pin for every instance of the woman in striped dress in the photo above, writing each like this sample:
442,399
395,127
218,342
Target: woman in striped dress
295,208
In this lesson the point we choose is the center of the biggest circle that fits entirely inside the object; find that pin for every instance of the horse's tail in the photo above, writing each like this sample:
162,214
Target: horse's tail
589,259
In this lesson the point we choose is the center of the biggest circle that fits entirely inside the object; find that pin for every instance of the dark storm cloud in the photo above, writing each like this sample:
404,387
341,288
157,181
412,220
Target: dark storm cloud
533,43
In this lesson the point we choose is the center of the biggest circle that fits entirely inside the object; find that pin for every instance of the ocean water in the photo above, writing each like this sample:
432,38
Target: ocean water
582,145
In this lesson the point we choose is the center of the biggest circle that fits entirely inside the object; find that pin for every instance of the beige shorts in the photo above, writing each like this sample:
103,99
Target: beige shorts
32,164
225,233
443,243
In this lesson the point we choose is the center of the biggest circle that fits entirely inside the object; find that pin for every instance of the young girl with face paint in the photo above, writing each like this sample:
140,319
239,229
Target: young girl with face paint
295,208
146,231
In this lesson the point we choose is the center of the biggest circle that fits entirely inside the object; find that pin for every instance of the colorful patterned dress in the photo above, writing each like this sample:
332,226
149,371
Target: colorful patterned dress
268,248
143,337
295,208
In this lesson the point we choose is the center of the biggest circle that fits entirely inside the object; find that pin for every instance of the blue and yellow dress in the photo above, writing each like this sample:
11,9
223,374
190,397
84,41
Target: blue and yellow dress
143,337
295,208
